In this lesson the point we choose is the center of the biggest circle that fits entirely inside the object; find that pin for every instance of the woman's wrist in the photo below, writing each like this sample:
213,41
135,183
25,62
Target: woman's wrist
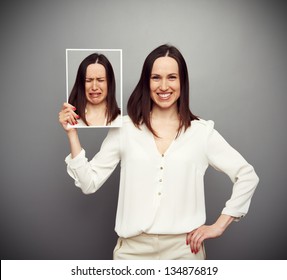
223,222
74,141
72,133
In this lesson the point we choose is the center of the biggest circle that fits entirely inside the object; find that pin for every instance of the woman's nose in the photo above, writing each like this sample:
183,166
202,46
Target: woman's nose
94,84
164,85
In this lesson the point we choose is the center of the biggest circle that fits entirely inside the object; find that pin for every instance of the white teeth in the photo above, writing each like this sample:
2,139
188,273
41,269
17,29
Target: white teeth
164,95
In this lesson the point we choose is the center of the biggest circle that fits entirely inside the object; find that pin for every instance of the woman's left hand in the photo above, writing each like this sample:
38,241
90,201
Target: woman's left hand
198,235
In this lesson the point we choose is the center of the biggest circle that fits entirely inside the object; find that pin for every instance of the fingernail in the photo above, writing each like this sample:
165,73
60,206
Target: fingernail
74,108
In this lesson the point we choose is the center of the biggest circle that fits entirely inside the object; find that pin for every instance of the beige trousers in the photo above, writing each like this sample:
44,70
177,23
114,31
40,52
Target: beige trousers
155,247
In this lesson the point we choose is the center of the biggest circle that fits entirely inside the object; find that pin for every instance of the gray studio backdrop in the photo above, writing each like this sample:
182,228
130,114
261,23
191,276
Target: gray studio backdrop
236,54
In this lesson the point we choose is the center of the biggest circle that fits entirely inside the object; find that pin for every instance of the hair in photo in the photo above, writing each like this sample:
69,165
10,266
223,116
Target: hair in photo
140,103
78,98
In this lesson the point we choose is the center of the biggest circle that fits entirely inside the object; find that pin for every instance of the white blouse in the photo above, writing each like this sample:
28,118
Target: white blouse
164,193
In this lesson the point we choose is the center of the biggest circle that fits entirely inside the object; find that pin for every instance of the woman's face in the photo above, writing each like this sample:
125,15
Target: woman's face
164,82
96,86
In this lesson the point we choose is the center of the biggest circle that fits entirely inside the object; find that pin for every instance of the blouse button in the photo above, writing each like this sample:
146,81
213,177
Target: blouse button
161,168
160,180
162,155
159,193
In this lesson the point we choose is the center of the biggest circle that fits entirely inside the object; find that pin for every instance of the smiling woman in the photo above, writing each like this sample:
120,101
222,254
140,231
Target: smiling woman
164,151
163,88
93,95
164,83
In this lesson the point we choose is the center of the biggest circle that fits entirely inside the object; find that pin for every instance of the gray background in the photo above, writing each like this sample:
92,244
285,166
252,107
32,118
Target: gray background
74,57
236,54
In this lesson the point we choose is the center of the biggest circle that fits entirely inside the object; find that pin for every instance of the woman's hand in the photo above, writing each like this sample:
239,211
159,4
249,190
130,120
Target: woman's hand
68,116
197,236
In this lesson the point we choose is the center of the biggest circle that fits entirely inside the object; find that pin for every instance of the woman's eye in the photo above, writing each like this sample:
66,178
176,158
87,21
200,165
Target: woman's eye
155,78
172,78
88,80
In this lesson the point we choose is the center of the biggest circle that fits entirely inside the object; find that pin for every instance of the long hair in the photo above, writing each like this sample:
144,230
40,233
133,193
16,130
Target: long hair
78,97
140,103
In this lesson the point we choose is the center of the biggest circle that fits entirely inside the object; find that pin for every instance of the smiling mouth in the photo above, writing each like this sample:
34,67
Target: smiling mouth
164,96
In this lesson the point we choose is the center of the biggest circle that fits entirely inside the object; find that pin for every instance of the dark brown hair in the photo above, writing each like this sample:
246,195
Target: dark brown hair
78,97
140,103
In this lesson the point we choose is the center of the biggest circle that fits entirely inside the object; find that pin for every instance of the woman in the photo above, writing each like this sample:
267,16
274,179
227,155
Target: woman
164,152
93,94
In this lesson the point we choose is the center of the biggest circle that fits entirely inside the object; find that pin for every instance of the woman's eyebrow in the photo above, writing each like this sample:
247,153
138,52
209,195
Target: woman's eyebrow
95,77
155,74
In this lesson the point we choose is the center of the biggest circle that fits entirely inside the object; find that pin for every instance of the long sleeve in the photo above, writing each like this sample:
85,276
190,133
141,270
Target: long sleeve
226,159
91,175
